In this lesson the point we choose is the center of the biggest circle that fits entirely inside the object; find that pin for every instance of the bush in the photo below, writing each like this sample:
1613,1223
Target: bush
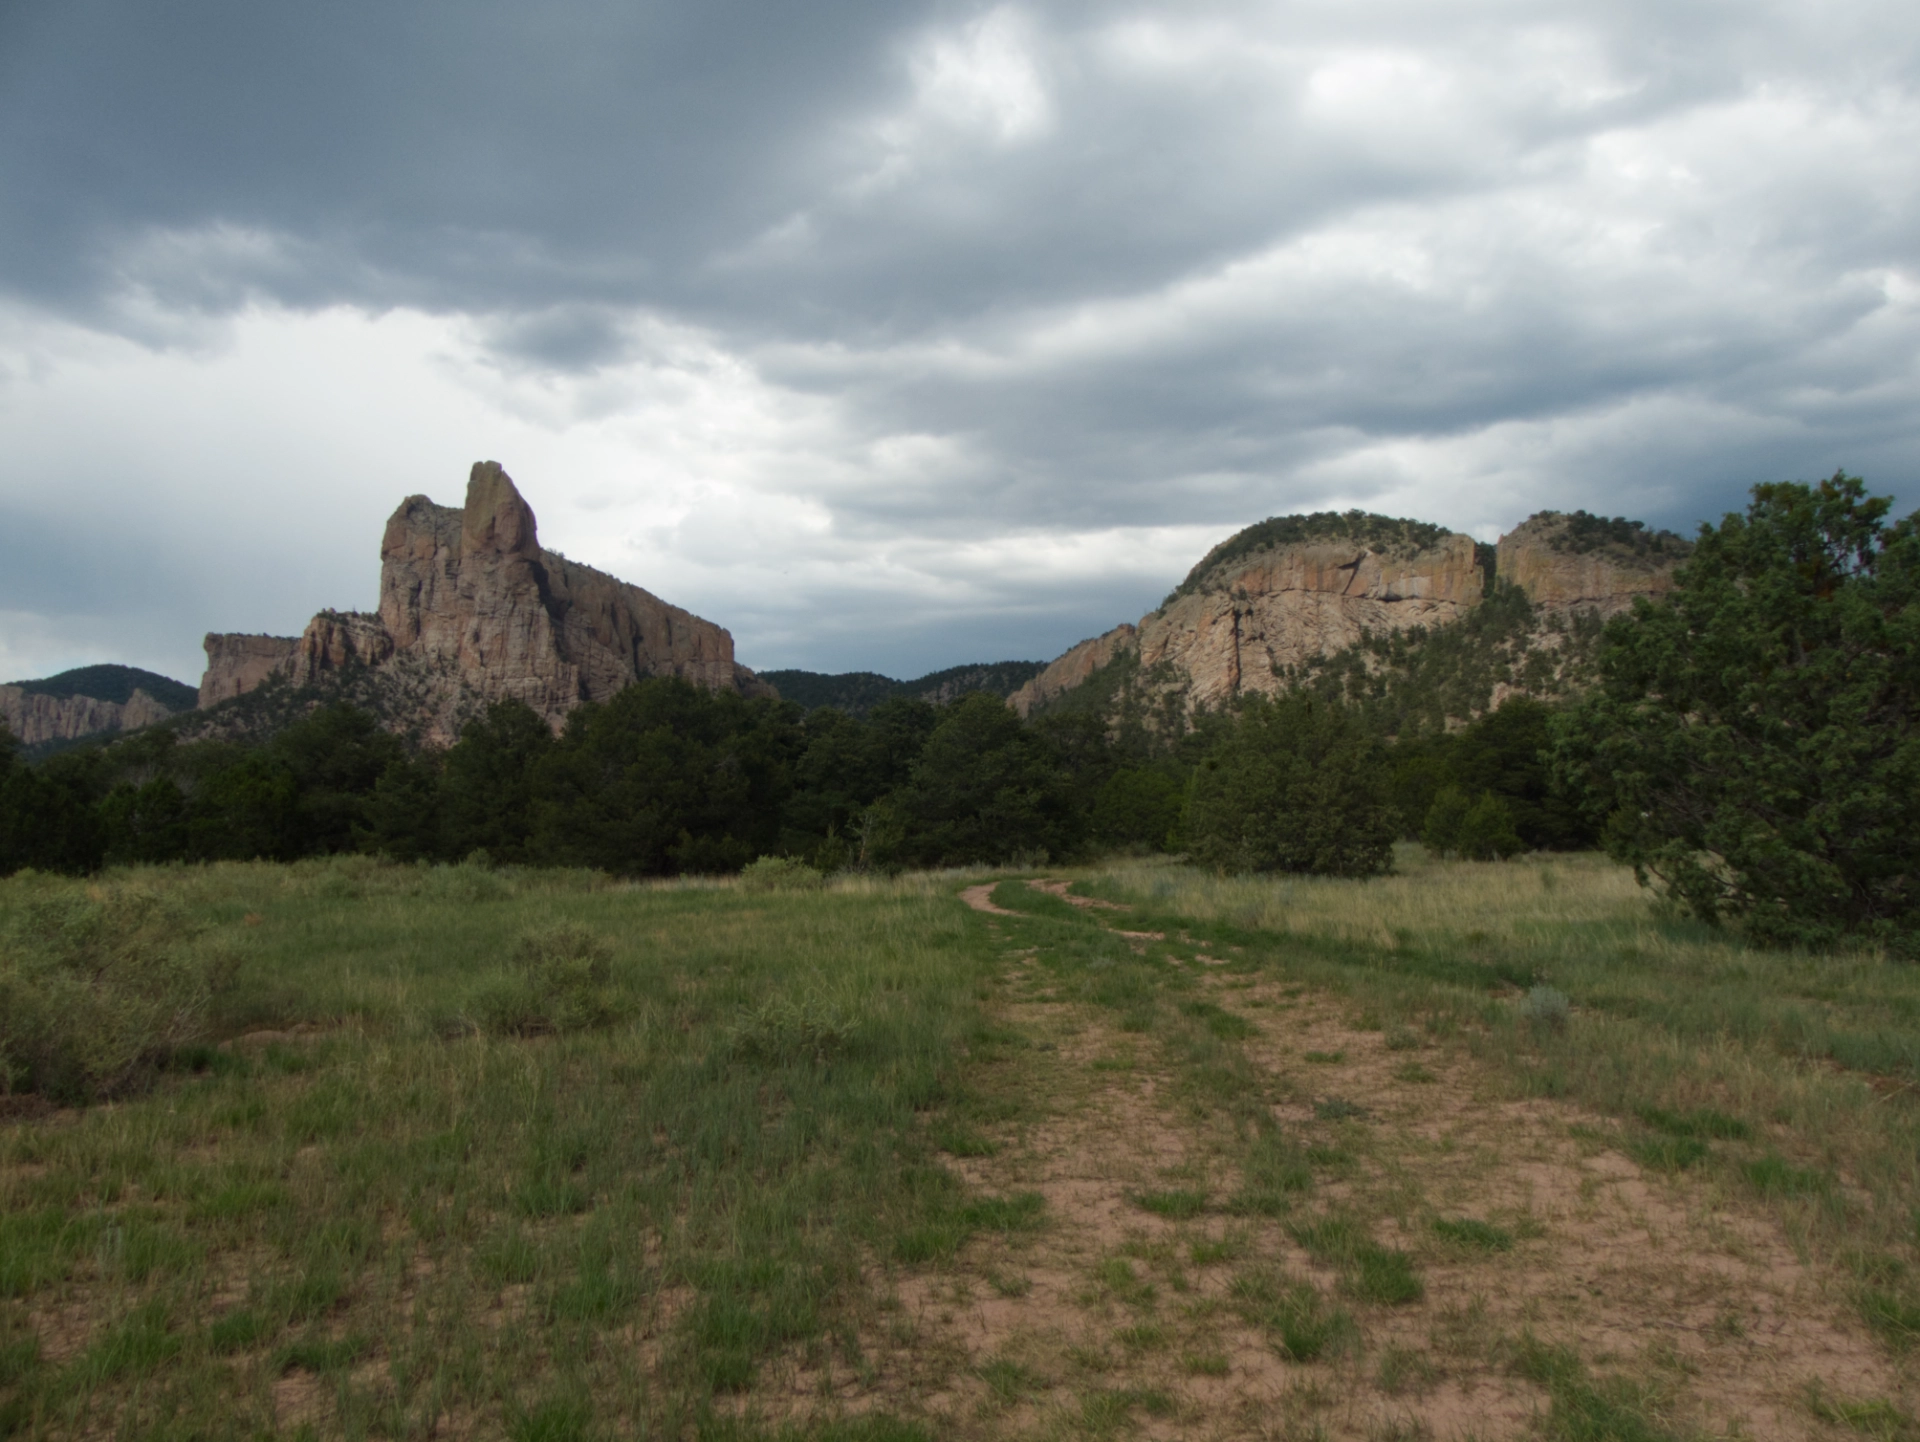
780,873
1297,785
1480,830
99,986
1486,831
986,788
559,981
785,1031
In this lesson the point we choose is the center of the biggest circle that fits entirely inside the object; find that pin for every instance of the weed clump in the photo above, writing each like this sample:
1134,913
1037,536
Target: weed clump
99,986
1547,1008
780,873
784,1031
559,980
1373,1273
1291,1311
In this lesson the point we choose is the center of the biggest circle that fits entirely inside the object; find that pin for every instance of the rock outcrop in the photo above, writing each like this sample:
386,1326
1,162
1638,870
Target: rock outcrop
35,718
1241,625
237,663
1569,563
1289,590
472,611
1074,668
1277,595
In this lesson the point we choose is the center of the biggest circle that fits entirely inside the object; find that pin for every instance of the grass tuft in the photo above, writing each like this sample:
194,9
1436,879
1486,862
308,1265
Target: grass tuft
1292,1312
1178,1206
1473,1235
1705,1123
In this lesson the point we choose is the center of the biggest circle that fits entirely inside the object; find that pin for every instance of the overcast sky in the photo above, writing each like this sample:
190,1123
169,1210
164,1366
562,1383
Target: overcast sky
896,335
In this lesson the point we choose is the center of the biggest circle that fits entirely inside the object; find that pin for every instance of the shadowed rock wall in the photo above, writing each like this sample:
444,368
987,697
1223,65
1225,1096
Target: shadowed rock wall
472,604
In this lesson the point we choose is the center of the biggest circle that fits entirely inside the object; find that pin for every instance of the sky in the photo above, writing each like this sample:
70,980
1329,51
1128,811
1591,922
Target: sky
894,336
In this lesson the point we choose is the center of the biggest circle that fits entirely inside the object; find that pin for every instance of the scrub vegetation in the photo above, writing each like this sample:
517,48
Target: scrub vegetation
1136,1149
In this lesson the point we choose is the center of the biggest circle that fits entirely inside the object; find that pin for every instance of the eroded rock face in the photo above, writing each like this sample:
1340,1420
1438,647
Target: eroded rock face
237,663
1074,667
34,718
1563,572
474,611
1236,630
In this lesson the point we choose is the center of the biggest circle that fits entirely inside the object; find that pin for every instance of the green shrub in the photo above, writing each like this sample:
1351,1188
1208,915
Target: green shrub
99,985
1297,785
1486,832
780,873
784,1031
558,981
1479,830
1441,833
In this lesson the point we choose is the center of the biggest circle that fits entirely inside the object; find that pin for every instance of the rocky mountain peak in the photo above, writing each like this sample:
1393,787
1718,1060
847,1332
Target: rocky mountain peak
497,518
472,611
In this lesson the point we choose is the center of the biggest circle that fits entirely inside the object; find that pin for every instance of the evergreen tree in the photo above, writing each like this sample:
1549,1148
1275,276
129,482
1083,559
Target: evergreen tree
486,784
665,777
1486,831
1756,736
985,789
1297,785
1445,817
1139,806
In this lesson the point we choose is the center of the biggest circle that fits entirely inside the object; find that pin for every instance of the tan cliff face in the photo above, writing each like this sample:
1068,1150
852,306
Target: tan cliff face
1562,572
472,611
237,663
1298,588
1238,630
1073,668
33,717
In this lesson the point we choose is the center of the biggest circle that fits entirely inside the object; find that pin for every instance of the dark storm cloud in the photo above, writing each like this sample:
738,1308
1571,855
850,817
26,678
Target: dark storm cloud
463,154
1046,269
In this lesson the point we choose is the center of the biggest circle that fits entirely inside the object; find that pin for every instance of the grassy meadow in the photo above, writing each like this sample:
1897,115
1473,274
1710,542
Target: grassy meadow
1473,1150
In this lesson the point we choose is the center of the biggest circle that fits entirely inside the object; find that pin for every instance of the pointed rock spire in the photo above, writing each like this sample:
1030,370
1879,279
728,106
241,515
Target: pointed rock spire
497,519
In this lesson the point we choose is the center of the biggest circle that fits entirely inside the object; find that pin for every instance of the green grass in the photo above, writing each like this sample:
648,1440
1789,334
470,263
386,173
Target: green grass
1293,1313
746,1100
1177,1205
1471,1234
1668,1154
1584,1409
1772,1176
1703,1123
734,1138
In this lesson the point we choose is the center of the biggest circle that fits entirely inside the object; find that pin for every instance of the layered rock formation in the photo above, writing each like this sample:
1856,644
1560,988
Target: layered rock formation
472,611
1296,588
1243,616
1241,626
238,663
1582,563
1075,668
35,718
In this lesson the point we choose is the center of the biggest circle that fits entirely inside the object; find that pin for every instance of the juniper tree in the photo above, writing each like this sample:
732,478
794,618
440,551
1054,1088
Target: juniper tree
1754,735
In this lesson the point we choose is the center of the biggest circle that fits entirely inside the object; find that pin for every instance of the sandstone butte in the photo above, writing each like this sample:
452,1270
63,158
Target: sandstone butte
473,611
1241,617
34,718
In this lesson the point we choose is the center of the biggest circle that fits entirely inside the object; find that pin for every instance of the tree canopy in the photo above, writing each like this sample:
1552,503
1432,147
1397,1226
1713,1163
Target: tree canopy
1753,740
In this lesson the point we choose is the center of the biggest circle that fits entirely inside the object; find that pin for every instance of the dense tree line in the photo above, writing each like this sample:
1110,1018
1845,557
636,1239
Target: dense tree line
666,778
1751,745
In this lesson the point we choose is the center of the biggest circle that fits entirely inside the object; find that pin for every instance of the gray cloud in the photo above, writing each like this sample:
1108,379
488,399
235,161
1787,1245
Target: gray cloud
857,284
